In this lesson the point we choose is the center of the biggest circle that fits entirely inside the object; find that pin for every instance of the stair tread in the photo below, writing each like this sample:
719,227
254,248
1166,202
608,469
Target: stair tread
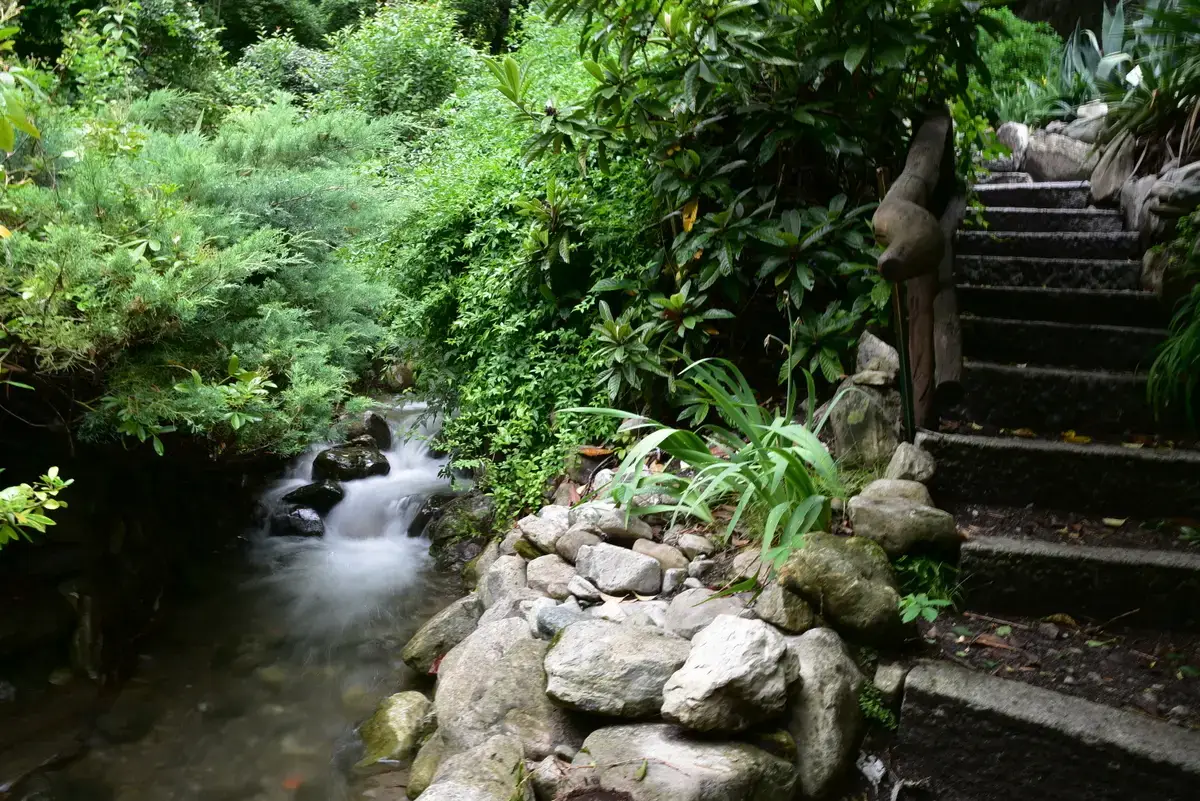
1092,212
1057,325
982,188
1051,291
1048,371
1050,236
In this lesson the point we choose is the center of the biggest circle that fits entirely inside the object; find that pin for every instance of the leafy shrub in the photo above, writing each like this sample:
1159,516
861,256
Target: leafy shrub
338,14
1020,51
485,22
1174,381
178,48
405,59
157,254
275,63
244,21
23,507
771,467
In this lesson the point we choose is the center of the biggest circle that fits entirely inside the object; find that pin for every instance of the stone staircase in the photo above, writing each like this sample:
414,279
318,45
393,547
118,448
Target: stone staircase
1057,339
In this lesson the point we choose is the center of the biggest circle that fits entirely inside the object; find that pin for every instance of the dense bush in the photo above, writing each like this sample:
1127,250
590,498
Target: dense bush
404,59
154,254
244,20
1021,50
275,63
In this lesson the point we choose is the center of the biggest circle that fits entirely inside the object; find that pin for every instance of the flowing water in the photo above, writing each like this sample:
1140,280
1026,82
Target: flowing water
252,692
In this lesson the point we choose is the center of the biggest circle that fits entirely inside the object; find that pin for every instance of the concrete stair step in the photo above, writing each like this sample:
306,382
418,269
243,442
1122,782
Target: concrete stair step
978,737
1037,342
1017,218
1109,480
1056,399
1025,271
1006,177
1052,195
1055,244
1085,306
1016,576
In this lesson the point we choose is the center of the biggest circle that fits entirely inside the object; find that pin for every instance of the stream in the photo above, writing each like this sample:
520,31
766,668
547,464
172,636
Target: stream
251,690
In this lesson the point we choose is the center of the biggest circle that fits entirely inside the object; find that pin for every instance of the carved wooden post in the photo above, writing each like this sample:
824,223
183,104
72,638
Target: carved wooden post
915,249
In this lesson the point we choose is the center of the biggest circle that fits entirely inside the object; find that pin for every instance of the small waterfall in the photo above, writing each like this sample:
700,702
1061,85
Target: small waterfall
366,569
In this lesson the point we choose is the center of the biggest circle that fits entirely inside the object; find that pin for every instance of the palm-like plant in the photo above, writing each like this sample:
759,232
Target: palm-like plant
773,469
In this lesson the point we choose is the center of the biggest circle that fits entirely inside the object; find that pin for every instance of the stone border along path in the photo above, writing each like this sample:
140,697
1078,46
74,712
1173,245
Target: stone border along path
1049,269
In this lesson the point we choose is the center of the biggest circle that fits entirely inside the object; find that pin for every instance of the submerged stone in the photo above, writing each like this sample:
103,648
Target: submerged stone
320,496
297,522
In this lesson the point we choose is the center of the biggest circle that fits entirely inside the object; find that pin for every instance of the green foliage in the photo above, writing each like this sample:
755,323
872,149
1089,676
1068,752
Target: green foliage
157,254
244,20
921,605
23,507
484,22
100,54
404,59
275,63
1100,60
178,48
1022,50
1173,385
870,701
925,575
17,88
761,460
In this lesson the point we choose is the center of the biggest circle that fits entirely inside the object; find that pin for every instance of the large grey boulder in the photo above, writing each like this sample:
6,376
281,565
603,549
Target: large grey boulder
1055,157
576,537
1177,191
394,733
824,716
894,489
348,462
736,675
444,630
371,424
424,767
785,610
693,609
670,558
866,423
903,527
910,463
543,532
490,771
1135,204
1115,167
660,762
1015,136
507,574
850,582
520,603
550,575
614,523
875,355
550,620
494,682
612,669
618,570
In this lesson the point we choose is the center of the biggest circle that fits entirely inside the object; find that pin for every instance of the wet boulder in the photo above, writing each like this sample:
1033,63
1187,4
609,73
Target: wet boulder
444,630
612,669
465,517
320,496
494,682
371,424
394,733
425,765
349,462
850,580
660,762
297,522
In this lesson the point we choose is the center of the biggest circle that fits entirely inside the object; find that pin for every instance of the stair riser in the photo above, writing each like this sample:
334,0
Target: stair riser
1060,273
1141,310
1058,344
1050,402
1016,577
1106,480
1036,196
1055,245
976,737
1058,220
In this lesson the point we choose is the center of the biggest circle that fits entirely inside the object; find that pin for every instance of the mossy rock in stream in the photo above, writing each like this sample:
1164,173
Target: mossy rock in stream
429,758
393,734
459,529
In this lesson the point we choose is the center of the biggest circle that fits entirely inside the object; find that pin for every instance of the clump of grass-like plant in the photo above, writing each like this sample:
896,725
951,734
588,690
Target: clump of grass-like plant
770,467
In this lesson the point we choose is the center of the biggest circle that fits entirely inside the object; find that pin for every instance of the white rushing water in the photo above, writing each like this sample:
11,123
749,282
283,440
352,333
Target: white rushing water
367,562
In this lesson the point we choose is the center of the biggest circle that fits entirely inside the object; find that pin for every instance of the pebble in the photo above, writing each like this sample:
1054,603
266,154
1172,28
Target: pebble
1048,630
1177,713
673,579
699,568
692,583
583,589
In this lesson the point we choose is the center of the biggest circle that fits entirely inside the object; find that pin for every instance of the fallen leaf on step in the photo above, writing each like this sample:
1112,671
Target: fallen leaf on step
1075,439
1023,432
612,599
1115,522
1134,445
976,427
992,641
1061,619
593,451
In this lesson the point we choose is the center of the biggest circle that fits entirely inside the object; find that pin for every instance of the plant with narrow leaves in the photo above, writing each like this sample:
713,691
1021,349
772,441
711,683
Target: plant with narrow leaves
16,87
768,466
